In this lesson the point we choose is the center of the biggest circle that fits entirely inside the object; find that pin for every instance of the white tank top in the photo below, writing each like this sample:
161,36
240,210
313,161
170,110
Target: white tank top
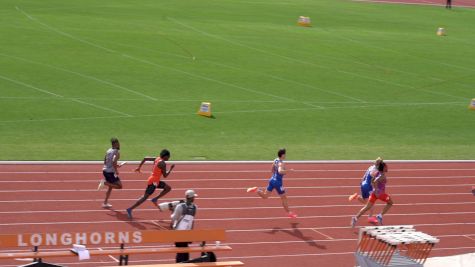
109,160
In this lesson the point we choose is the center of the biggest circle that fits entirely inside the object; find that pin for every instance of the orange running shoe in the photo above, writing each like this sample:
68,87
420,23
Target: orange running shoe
252,189
353,197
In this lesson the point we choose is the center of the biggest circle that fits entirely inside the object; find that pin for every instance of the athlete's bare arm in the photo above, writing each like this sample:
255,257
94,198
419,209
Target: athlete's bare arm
115,164
163,167
281,168
143,161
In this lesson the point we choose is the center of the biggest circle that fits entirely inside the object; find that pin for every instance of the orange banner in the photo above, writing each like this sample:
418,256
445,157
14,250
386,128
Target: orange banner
122,237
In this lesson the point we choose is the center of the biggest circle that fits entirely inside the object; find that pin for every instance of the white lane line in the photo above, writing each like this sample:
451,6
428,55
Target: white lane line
233,198
257,179
236,208
81,75
110,256
239,243
61,32
310,63
356,169
240,162
57,95
469,237
159,65
245,257
241,218
316,254
320,233
100,107
29,86
223,112
345,227
202,77
265,52
227,188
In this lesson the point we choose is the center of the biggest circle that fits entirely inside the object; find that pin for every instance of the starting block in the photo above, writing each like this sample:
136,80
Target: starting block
399,245
304,21
205,109
441,32
472,104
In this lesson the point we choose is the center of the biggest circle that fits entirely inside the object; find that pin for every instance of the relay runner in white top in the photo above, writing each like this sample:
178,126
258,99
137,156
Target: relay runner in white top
111,171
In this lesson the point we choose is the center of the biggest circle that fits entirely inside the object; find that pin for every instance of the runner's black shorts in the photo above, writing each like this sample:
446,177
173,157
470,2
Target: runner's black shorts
111,177
151,187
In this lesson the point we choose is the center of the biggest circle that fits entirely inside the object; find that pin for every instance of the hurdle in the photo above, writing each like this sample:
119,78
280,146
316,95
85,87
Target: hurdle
398,245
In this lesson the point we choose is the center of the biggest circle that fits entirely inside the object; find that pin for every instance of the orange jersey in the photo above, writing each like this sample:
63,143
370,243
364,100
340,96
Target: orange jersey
156,172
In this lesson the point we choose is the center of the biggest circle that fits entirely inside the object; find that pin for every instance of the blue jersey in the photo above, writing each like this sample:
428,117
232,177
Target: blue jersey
275,171
367,176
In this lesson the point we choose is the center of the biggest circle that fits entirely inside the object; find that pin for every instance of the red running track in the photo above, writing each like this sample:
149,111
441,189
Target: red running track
434,196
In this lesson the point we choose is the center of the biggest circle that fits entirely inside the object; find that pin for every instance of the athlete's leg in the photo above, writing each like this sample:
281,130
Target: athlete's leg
116,185
367,207
108,194
139,201
149,191
285,203
165,189
389,204
263,195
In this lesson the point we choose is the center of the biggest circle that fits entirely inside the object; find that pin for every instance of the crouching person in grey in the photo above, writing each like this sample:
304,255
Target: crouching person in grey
183,219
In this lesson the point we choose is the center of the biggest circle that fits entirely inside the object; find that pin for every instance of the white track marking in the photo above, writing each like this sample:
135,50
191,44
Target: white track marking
80,75
356,169
257,179
289,81
264,52
101,107
238,162
227,188
320,233
241,243
159,65
190,74
400,53
110,256
29,86
469,237
228,112
245,257
230,198
309,63
240,208
344,227
63,33
242,218
60,96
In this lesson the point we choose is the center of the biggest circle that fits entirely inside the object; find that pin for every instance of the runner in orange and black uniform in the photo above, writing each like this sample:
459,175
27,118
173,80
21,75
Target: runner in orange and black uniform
159,169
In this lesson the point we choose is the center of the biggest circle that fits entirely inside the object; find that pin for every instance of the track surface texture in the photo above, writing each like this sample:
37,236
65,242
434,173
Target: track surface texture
436,197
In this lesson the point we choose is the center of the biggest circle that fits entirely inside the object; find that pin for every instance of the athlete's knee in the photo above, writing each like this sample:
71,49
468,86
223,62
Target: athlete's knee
167,188
119,185
390,202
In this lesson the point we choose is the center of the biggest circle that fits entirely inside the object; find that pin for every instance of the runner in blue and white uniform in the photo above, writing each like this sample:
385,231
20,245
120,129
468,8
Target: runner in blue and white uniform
276,182
366,188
